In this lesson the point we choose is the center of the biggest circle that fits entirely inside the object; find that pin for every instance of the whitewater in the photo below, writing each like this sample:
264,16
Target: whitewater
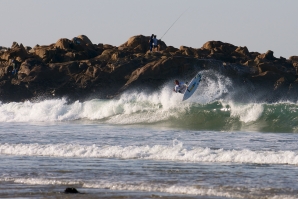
220,143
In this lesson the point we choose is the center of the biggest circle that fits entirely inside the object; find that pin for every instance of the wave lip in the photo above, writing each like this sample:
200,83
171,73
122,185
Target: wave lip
156,152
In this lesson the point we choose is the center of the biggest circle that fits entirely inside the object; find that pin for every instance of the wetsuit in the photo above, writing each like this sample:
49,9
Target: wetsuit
180,88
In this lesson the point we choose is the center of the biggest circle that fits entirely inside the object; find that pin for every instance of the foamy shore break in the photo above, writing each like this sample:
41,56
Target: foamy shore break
80,70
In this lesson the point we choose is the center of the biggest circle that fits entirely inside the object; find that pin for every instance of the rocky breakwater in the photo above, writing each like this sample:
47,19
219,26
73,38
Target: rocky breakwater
80,70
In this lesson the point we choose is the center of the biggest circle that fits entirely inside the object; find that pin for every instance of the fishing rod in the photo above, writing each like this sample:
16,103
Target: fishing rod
174,23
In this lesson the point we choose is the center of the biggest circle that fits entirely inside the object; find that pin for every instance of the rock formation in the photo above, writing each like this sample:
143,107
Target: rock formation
81,70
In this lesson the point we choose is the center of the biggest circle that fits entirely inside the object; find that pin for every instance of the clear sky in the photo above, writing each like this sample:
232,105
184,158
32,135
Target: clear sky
260,25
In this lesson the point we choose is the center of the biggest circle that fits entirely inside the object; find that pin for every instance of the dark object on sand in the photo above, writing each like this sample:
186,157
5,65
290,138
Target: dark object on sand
71,190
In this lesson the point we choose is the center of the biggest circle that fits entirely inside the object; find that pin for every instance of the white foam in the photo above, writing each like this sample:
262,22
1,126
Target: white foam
140,186
132,107
171,189
157,152
245,112
47,110
230,192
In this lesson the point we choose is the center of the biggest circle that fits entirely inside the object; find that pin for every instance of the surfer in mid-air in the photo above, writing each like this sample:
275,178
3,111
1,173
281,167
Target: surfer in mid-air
180,87
189,88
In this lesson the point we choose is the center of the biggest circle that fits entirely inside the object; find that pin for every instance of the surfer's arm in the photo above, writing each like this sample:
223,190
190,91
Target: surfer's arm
175,89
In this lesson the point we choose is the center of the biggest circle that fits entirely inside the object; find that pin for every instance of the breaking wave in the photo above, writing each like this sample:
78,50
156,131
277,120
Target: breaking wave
210,108
176,152
220,191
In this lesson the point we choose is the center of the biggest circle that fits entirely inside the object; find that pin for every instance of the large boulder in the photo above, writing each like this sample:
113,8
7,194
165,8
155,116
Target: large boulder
33,70
294,58
63,44
243,51
222,47
49,54
41,51
268,55
212,44
138,42
222,51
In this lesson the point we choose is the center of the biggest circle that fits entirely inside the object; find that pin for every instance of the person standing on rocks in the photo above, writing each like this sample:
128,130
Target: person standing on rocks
14,66
151,42
155,45
76,40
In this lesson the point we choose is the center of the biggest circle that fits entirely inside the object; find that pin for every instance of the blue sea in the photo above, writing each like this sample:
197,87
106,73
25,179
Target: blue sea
151,145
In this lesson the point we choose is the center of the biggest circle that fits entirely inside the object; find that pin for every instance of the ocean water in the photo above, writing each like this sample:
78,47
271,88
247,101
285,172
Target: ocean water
151,145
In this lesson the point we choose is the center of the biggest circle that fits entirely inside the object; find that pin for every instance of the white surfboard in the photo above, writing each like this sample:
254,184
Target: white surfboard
192,86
